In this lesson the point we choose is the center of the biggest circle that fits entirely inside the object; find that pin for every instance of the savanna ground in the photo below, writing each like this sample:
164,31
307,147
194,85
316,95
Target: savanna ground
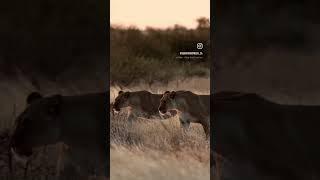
159,149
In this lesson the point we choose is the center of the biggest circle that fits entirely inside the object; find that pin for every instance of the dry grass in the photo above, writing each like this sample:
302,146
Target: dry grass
152,149
41,164
138,164
157,149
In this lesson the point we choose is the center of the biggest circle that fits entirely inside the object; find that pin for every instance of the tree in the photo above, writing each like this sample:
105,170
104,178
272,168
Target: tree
203,23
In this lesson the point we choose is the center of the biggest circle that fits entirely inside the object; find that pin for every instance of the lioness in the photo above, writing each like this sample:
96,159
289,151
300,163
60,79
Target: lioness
265,139
189,106
140,104
77,121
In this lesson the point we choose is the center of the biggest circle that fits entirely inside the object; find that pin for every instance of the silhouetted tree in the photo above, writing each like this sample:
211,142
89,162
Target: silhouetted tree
203,23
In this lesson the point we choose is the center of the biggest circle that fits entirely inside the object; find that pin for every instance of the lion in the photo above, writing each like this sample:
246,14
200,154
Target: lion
190,107
140,104
77,121
263,138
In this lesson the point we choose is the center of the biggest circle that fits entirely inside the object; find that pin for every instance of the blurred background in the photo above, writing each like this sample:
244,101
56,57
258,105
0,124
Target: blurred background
149,55
147,36
269,47
51,47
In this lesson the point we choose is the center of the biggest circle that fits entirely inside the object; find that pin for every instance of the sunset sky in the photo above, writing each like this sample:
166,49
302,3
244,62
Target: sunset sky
158,13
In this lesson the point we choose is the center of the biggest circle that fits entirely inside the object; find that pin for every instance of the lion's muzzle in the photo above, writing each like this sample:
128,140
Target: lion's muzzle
19,147
162,110
116,107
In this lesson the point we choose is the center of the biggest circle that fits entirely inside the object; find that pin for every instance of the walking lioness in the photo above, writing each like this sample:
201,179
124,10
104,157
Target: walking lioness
140,104
190,107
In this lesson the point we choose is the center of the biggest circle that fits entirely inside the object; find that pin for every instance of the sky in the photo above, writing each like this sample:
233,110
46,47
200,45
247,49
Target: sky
158,13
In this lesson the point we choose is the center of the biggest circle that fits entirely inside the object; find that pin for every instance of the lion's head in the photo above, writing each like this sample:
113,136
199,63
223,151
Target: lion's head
167,102
38,124
121,101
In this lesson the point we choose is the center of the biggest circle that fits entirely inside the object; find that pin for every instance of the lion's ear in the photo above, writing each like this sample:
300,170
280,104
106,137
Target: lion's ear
172,94
165,93
32,97
55,104
120,92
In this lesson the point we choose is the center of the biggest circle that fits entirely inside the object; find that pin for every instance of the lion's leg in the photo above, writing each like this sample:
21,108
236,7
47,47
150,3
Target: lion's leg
207,131
72,170
184,120
62,150
206,128
69,172
68,166
184,124
131,116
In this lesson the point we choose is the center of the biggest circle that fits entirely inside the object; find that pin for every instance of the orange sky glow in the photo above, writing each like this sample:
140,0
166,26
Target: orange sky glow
158,13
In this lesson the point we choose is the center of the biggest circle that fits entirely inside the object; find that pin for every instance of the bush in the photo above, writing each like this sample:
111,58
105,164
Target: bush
150,55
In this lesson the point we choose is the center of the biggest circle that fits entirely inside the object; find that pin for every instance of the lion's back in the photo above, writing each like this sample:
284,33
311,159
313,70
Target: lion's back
146,102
